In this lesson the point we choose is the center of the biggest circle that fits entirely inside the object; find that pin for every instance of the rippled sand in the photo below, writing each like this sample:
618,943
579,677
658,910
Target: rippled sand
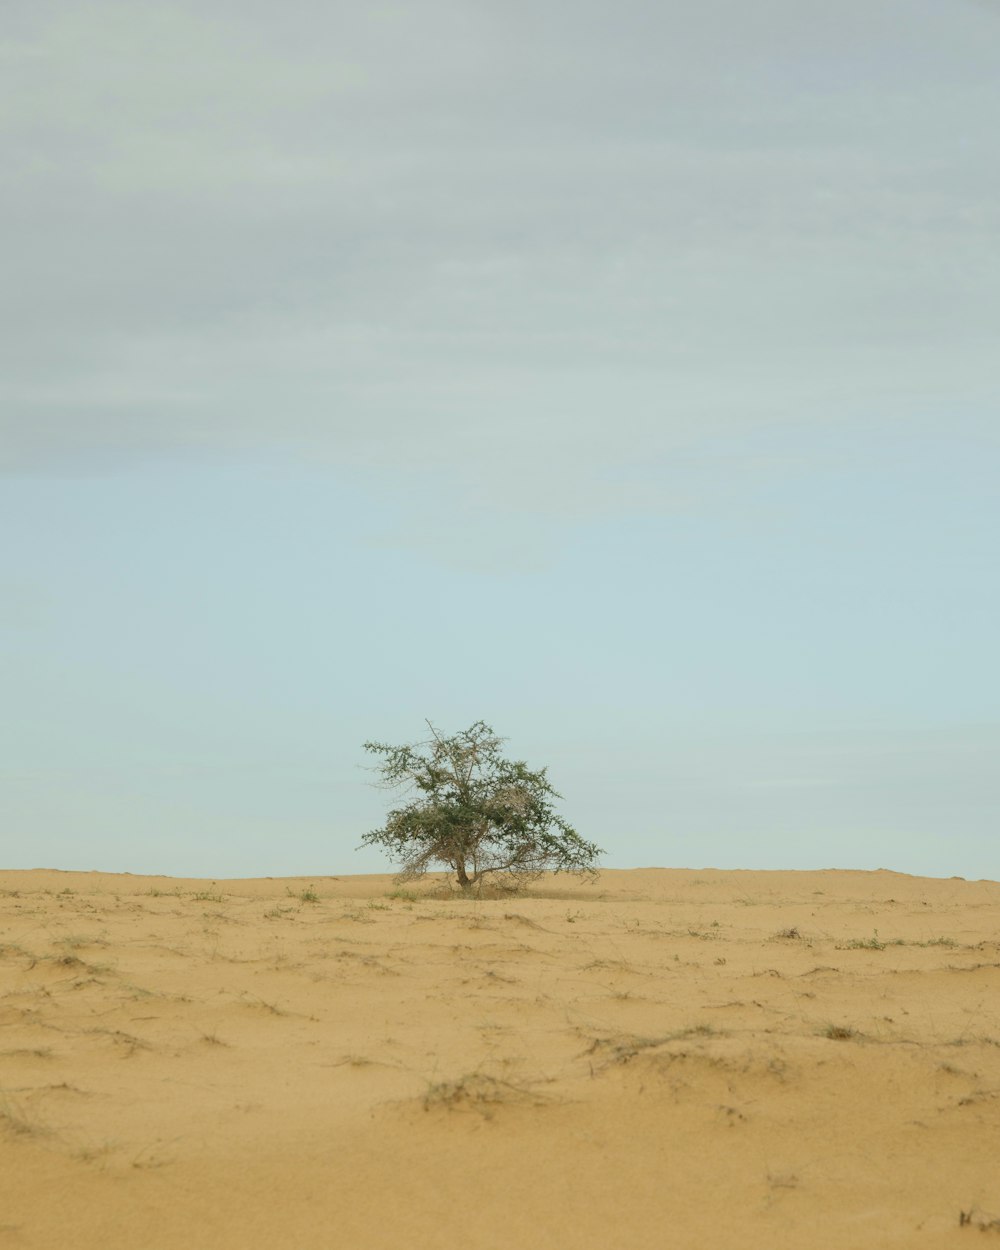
663,1059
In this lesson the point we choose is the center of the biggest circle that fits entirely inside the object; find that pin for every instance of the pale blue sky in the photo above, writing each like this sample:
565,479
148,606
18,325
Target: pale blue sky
627,383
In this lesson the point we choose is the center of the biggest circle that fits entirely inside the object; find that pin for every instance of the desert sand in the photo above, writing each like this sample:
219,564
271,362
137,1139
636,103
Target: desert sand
658,1059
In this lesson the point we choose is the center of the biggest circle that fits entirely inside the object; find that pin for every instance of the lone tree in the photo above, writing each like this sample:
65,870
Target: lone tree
473,811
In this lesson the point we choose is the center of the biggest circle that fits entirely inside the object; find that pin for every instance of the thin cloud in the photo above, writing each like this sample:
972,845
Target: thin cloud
542,268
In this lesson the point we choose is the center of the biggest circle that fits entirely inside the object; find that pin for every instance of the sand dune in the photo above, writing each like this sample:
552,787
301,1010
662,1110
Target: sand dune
660,1059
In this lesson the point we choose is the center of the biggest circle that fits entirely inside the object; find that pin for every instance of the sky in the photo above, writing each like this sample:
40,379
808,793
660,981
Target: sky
622,375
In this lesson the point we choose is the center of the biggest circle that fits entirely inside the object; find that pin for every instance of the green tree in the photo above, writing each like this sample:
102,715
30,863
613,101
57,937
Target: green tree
473,811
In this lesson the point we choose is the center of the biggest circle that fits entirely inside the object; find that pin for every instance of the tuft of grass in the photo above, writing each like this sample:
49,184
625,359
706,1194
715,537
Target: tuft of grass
374,905
624,1048
791,934
277,912
308,895
982,1223
863,944
272,1008
93,1154
15,1121
840,1032
479,1092
74,941
213,1039
128,1043
354,1061
138,992
206,896
404,896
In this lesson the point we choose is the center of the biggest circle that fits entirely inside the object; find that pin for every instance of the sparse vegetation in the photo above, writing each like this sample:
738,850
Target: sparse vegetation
15,1120
479,1092
356,914
307,895
840,1032
76,941
624,1048
213,1039
474,811
96,1153
464,1031
982,1223
272,1008
863,944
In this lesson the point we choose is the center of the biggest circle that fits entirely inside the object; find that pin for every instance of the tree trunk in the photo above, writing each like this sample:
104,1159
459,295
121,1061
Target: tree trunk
463,876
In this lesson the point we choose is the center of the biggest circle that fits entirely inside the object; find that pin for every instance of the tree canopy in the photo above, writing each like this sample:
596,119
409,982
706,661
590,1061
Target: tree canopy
473,811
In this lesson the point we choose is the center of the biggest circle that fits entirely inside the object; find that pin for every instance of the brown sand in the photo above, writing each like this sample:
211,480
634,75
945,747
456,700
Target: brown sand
664,1059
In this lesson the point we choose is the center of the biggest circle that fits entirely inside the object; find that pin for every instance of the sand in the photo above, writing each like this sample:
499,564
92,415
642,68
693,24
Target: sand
660,1059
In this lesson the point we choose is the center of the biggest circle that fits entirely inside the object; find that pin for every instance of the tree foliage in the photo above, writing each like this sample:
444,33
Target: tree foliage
473,811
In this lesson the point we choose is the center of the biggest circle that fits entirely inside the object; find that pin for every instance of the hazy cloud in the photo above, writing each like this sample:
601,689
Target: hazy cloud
543,258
